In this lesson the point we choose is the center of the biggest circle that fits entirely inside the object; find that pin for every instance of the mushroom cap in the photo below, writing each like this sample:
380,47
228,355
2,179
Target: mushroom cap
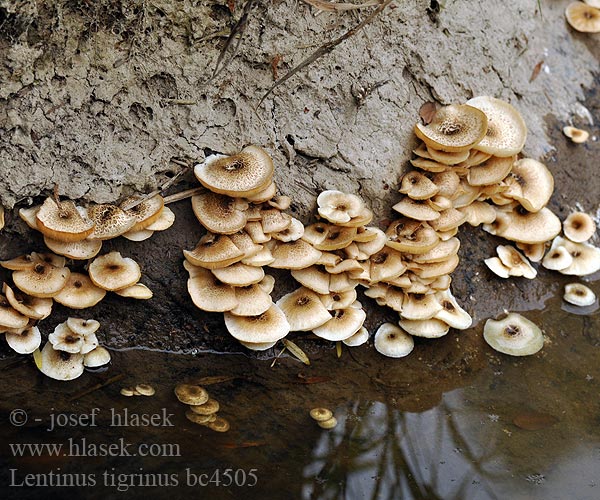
77,250
293,232
342,325
420,306
557,258
138,291
497,267
257,346
219,424
273,220
530,183
316,233
294,255
428,165
25,342
431,328
65,339
79,292
252,301
211,406
583,17
312,277
321,414
359,338
145,390
579,227
386,264
447,220
479,212
110,221
19,263
244,242
191,394
451,313
516,262
83,326
586,257
65,223
219,213
506,132
255,231
575,293
416,209
337,238
265,195
269,326
446,157
146,213
368,248
239,274
392,341
99,356
534,252
514,335
112,271
490,171
282,202
214,251
338,300
141,235
418,186
28,216
210,294
304,310
436,269
328,424
440,252
341,283
263,258
411,236
32,307
447,182
454,128
525,227
60,365
338,207
199,419
41,280
577,135
244,174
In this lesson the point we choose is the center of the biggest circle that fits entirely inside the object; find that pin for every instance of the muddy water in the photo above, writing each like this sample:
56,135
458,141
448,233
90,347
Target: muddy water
453,420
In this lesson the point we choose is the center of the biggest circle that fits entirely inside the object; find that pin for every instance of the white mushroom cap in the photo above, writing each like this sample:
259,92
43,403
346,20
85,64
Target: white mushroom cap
446,157
392,341
270,326
506,132
239,274
359,338
165,220
214,251
339,207
273,220
343,324
83,326
98,356
586,257
557,258
65,339
79,292
263,258
530,183
112,271
335,300
418,186
10,317
20,263
25,342
579,227
294,255
451,313
514,335
32,307
525,227
138,291
416,209
577,294
577,135
65,222
60,365
28,216
210,294
432,328
139,235
294,232
420,306
41,280
497,267
314,278
77,250
304,310
265,195
491,171
252,301
516,262
146,213
478,212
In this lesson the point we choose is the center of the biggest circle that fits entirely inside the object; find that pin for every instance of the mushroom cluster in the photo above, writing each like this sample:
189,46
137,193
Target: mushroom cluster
72,346
336,261
247,229
77,232
466,170
202,408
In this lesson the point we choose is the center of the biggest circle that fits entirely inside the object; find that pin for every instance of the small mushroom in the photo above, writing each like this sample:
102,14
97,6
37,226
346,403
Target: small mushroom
210,294
577,135
343,324
557,259
239,274
112,271
210,407
219,213
314,278
392,341
525,227
530,183
63,220
25,342
586,257
516,262
65,339
338,207
252,300
77,250
432,328
191,394
327,424
79,292
145,213
577,294
451,313
491,171
359,338
214,251
145,389
109,221
41,280
418,186
165,220
295,255
269,326
579,227
83,326
321,414
32,307
514,335
138,291
219,424
99,356
583,17
304,310
60,365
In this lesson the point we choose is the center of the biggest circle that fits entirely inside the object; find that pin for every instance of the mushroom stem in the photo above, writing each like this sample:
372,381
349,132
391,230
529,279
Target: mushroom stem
55,196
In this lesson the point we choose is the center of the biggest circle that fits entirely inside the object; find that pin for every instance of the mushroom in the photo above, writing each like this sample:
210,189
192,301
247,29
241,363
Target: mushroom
454,128
138,291
265,195
63,220
252,301
579,227
321,414
418,186
558,258
431,328
219,213
359,338
506,131
583,17
339,207
60,365
294,255
79,292
577,135
530,183
451,313
514,335
516,262
314,278
112,271
41,280
343,324
210,294
145,390
165,220
420,306
525,227
32,307
576,294
214,251
497,267
99,356
25,342
269,326
239,274
191,394
392,341
146,212
77,250
447,158
293,232
327,424
219,424
109,221
491,171
416,209
141,235
244,174
210,407
304,310
586,257
65,339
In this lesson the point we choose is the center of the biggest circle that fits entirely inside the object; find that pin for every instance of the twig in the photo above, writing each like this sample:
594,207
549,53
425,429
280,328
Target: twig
277,357
182,195
100,385
333,7
326,48
239,28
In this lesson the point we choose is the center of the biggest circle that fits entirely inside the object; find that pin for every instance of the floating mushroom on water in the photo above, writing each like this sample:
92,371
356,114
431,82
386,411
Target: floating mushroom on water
579,295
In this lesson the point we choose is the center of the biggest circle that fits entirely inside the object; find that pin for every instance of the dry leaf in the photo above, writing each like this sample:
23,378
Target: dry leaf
313,380
536,71
338,349
534,421
427,112
296,351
